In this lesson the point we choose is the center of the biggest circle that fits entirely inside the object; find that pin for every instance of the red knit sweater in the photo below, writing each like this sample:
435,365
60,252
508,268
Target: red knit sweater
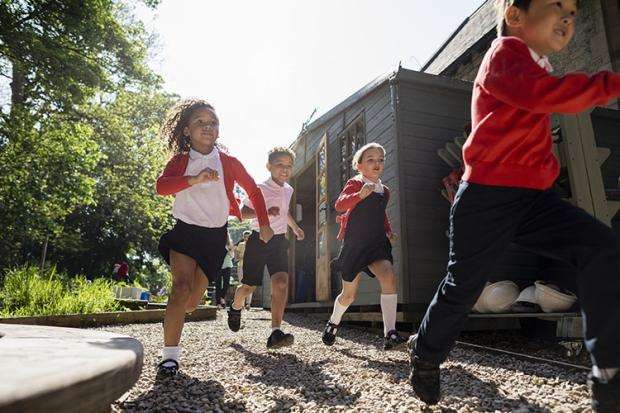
510,143
348,200
173,180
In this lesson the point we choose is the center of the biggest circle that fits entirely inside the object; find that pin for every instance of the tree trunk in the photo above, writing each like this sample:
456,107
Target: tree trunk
17,85
44,253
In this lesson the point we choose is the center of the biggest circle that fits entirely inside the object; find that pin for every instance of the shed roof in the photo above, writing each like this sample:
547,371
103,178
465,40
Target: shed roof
474,29
401,74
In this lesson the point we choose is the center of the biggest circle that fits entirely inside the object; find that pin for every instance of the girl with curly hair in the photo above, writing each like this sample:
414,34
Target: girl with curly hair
201,177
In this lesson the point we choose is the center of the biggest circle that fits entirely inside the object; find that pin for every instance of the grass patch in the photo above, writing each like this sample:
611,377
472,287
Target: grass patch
28,292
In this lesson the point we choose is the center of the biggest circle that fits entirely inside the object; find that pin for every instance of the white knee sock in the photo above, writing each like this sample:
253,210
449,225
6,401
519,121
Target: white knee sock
388,310
339,310
172,352
248,300
604,375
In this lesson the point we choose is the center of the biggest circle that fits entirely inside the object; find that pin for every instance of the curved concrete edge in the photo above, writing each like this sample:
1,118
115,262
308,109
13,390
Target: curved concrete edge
106,319
65,369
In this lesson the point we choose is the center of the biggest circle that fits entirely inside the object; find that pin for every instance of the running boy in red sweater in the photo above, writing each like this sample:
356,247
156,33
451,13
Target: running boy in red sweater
505,194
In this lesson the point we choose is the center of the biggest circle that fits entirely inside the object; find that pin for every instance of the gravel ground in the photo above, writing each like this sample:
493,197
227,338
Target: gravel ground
516,341
225,371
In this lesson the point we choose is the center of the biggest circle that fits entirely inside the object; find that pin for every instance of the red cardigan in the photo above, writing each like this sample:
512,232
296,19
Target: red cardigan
348,200
172,180
510,143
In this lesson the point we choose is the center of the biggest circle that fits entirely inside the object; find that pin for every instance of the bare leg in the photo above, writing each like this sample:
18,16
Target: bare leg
240,294
200,284
183,269
345,299
389,299
384,272
279,295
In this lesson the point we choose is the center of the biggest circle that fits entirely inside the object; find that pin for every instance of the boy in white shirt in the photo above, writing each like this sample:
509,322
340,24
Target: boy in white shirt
273,254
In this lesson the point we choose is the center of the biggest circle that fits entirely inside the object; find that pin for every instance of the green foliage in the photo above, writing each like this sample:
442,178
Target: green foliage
26,292
79,148
127,217
45,175
61,52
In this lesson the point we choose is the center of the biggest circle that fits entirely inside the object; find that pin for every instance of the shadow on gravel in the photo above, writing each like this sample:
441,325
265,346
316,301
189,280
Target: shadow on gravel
286,370
457,383
396,368
547,371
183,393
367,338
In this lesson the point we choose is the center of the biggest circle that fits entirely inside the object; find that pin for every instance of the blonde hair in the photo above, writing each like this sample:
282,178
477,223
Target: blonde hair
359,154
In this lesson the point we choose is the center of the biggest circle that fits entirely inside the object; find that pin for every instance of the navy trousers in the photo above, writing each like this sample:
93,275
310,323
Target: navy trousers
483,221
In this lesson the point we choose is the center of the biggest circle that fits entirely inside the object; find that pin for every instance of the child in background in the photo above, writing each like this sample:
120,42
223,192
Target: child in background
239,253
273,254
223,282
367,236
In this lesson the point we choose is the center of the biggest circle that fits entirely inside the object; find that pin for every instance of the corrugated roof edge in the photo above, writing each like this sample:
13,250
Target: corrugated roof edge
452,36
399,74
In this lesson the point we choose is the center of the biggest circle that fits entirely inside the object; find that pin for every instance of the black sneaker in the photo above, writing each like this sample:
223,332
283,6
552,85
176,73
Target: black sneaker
424,376
329,334
167,368
234,319
279,339
394,341
605,396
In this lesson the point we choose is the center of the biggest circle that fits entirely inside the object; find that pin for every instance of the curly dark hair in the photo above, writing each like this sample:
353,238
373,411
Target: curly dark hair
177,119
280,151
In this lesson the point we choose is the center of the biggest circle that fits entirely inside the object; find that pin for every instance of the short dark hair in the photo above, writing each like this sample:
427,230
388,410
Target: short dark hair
501,7
280,151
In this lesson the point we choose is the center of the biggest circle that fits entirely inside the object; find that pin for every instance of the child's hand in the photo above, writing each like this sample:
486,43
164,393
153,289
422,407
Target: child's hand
205,175
366,190
393,238
266,233
273,211
299,233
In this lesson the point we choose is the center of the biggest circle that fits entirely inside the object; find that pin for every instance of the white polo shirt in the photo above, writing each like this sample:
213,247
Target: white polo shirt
205,204
275,195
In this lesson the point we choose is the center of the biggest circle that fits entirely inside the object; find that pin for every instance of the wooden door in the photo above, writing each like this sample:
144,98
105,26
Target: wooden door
323,274
292,241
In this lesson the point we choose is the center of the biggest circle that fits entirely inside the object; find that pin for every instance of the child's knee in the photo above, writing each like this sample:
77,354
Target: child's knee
181,290
279,281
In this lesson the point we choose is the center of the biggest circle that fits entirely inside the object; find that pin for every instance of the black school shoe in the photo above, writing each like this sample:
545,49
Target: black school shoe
279,339
329,334
424,376
605,396
167,368
234,319
394,341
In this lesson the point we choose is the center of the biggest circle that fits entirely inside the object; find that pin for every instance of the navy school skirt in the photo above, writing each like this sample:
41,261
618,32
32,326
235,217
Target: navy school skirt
207,246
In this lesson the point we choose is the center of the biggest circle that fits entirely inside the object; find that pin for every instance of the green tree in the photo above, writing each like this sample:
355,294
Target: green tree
127,217
60,53
45,175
